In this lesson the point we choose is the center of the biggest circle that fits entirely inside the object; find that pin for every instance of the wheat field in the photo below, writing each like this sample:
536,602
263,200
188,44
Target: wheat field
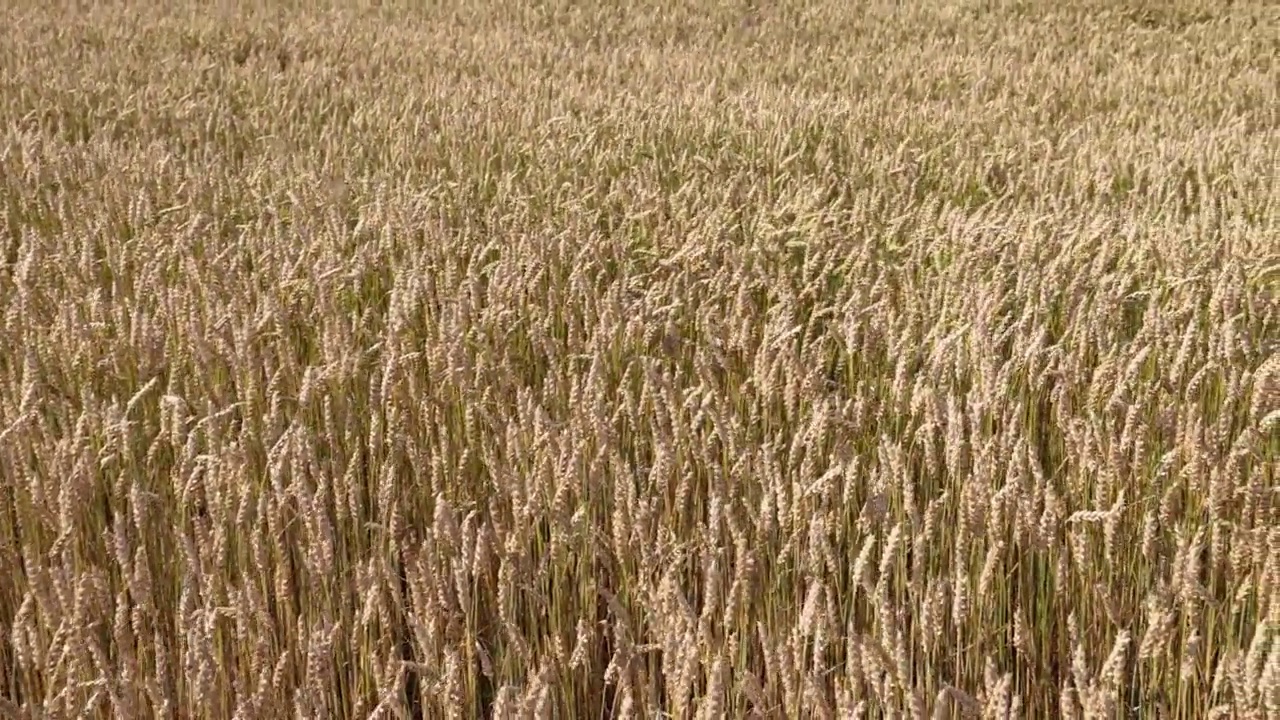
646,359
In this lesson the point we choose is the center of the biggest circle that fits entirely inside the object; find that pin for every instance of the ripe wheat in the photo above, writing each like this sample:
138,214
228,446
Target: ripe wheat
707,359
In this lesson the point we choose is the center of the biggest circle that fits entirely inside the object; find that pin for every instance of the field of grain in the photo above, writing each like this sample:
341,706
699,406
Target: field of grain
707,359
